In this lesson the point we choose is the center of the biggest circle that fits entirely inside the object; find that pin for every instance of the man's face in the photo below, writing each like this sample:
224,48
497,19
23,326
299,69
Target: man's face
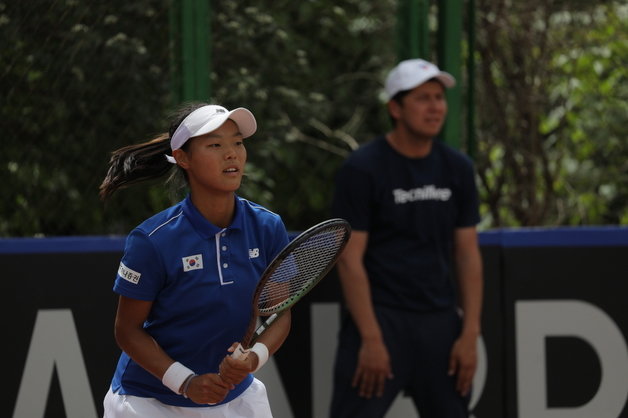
422,111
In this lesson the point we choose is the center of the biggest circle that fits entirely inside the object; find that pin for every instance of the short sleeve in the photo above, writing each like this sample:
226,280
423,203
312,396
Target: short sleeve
352,197
141,274
281,238
469,212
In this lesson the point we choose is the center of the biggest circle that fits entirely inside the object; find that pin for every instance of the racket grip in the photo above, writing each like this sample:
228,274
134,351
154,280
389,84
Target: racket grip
240,353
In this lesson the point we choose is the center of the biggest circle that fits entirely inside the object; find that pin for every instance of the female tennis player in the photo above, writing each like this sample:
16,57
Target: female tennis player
187,276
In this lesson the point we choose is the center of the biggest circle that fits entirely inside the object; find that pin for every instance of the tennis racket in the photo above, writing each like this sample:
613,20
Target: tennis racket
292,274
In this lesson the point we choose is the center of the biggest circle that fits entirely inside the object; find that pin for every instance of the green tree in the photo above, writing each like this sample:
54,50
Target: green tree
311,72
552,112
80,79
591,96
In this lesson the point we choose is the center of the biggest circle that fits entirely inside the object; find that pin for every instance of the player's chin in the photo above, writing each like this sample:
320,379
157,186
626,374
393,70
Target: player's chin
434,129
235,178
228,185
234,185
428,130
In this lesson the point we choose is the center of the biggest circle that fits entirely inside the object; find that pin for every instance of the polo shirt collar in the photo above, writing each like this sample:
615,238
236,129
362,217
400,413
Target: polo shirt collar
205,228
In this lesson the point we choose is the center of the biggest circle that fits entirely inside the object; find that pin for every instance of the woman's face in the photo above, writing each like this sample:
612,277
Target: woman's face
215,161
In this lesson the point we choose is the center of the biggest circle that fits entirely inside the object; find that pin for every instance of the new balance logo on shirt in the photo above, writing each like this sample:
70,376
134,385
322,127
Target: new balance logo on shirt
429,192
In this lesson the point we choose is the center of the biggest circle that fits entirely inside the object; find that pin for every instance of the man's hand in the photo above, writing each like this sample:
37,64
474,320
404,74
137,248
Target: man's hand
463,362
373,369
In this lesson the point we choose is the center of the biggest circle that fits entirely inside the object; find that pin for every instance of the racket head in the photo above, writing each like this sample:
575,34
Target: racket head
298,268
301,265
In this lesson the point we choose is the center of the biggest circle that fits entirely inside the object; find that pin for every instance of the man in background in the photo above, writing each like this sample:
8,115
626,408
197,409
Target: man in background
411,273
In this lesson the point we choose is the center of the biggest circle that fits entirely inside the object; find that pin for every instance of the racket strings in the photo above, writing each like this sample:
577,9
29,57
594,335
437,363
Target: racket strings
301,270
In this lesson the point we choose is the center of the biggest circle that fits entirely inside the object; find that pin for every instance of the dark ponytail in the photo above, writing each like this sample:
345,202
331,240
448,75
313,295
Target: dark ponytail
146,161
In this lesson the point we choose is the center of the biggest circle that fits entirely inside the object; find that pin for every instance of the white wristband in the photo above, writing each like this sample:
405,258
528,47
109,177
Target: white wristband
262,355
175,376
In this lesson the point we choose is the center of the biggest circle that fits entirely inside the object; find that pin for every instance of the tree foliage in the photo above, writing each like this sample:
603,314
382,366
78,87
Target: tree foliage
80,79
311,72
83,79
552,98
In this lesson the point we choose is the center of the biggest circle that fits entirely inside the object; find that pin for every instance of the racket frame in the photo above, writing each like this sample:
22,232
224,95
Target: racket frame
253,330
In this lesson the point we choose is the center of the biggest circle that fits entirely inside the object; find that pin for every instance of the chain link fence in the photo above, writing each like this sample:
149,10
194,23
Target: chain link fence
78,80
81,78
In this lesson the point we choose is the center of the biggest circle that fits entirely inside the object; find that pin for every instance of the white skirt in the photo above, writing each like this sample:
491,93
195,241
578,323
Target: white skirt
252,403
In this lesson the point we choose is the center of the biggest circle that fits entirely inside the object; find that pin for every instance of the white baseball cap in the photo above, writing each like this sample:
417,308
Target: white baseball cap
207,119
412,73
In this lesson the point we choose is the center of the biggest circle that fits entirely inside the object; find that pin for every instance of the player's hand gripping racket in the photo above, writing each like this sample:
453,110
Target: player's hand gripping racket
292,274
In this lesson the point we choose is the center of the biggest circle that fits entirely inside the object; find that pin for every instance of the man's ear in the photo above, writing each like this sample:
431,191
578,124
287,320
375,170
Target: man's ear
181,157
394,109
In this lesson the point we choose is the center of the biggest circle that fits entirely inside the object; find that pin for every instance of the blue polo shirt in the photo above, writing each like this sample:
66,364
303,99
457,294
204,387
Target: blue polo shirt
410,207
201,280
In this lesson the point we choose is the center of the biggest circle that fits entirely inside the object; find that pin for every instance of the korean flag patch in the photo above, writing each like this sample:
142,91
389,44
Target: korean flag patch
192,262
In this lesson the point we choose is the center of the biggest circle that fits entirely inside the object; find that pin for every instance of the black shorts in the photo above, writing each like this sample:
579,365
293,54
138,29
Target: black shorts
419,345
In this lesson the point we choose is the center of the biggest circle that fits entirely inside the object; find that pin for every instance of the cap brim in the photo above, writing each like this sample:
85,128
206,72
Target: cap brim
241,116
245,121
415,80
447,79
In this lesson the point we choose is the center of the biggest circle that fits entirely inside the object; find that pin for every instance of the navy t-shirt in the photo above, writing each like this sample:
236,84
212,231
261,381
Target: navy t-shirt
410,208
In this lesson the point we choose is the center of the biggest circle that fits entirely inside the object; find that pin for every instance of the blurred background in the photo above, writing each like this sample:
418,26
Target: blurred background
541,106
543,101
